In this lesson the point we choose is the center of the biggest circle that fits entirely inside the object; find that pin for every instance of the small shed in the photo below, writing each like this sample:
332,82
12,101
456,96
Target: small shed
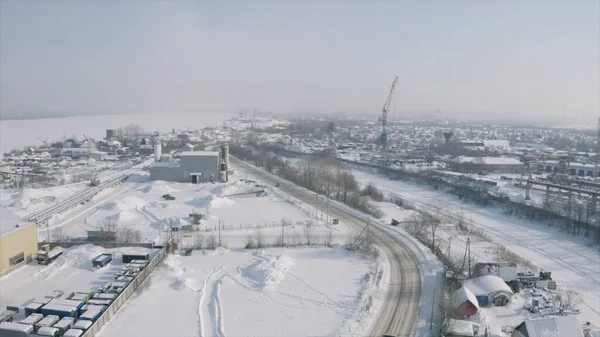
549,326
48,331
460,328
464,303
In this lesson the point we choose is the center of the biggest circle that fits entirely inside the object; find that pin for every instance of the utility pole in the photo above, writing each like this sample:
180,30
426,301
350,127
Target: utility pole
219,233
469,248
432,308
282,225
48,230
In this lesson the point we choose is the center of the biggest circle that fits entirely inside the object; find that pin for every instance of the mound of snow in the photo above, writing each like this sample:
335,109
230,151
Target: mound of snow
221,202
209,201
127,202
123,216
158,187
269,272
200,201
77,257
227,189
187,283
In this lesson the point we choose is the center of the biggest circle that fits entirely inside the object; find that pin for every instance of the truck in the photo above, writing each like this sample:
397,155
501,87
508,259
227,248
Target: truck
44,258
101,260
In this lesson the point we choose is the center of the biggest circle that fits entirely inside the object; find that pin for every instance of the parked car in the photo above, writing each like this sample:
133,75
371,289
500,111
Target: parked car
166,196
170,198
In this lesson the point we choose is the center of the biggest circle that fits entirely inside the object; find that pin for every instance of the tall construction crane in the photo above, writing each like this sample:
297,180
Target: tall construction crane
383,118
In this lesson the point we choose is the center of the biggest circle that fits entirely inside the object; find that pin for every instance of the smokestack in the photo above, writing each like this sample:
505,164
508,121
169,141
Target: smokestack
157,149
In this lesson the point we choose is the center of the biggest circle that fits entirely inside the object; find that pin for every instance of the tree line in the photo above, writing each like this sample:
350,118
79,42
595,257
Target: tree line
321,173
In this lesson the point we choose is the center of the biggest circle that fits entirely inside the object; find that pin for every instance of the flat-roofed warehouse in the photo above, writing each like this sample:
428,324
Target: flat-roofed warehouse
18,241
193,166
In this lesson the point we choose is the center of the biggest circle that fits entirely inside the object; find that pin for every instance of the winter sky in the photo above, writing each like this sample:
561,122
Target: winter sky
463,58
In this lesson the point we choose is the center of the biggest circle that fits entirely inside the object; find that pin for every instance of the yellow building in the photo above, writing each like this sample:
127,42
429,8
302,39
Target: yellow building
18,241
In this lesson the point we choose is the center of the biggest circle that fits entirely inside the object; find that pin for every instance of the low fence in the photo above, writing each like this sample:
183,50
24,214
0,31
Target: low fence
68,244
122,298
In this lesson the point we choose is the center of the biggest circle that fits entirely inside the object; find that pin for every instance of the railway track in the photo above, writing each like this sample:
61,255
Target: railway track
399,313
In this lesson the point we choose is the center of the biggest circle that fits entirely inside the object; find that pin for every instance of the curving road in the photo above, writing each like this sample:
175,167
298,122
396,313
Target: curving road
399,313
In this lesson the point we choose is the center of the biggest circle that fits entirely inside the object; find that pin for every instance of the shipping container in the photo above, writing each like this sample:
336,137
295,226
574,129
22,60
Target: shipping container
79,296
130,257
73,333
77,303
49,320
100,302
33,307
65,324
82,324
105,296
7,315
59,310
101,260
32,319
48,331
92,314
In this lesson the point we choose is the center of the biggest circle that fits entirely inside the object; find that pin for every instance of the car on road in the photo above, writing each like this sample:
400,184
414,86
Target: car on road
170,198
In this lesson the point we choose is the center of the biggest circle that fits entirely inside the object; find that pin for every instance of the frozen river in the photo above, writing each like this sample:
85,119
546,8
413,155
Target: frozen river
16,134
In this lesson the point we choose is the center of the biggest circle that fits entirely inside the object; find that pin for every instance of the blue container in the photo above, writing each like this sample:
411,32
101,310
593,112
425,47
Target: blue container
483,301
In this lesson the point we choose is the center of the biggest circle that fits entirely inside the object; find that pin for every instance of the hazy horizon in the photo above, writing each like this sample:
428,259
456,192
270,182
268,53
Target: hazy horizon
455,59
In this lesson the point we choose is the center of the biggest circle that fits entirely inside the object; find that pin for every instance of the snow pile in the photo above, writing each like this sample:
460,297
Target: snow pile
159,187
270,271
209,201
123,216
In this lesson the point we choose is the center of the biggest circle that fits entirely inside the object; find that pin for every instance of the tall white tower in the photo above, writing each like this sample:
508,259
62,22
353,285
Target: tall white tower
157,149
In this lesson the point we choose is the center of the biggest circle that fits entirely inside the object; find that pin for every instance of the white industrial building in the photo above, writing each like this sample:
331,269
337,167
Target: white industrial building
193,166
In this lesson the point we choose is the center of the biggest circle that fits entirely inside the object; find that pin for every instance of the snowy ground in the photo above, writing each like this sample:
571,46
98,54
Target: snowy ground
307,291
573,263
71,272
237,207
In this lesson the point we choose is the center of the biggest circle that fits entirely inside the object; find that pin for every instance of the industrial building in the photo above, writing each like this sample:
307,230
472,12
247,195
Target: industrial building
486,165
193,166
18,241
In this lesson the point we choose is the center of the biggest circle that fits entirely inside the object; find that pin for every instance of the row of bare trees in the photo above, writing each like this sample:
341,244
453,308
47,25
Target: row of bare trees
321,173
124,234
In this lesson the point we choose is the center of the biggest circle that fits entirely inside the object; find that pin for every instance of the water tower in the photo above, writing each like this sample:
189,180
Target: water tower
448,136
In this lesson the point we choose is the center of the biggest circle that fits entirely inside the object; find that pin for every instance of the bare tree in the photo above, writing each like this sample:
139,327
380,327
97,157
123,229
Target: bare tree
198,242
250,244
211,243
128,235
108,225
296,238
57,235
308,232
569,300
329,238
259,237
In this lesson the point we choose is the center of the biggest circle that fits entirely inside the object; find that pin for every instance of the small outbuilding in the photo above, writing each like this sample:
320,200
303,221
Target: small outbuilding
464,303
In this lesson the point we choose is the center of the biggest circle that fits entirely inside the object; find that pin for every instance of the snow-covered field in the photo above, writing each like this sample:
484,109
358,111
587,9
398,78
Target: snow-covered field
306,291
316,290
138,204
574,264
71,272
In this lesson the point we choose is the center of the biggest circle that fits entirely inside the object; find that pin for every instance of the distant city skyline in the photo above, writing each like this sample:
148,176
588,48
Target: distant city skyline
489,60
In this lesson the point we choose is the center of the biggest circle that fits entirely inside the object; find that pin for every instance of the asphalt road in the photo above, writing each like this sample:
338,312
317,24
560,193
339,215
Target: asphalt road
398,314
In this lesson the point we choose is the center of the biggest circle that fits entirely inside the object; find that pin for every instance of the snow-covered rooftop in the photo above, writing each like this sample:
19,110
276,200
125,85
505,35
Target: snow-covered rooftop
458,327
463,294
487,160
487,285
551,327
8,220
199,153
166,164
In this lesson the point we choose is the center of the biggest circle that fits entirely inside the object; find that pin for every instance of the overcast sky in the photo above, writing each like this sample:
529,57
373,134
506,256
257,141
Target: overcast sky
485,58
